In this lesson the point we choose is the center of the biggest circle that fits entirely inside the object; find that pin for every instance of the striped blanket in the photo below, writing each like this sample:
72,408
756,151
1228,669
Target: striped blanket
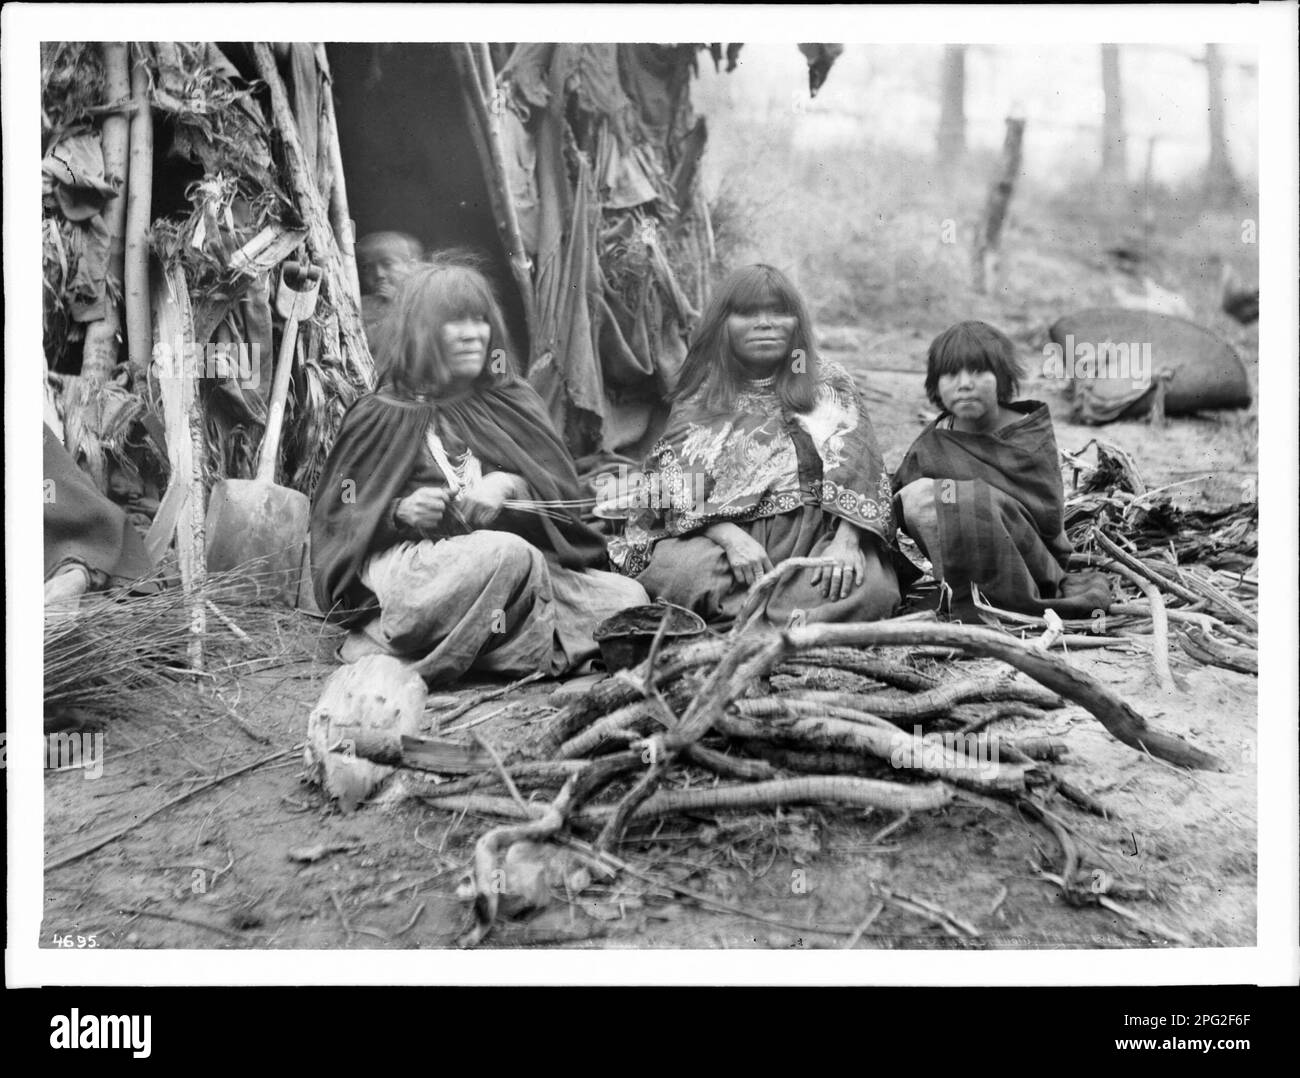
987,509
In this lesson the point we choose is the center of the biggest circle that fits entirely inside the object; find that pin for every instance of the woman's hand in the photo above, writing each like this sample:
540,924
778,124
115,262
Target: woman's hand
424,509
482,503
745,554
850,568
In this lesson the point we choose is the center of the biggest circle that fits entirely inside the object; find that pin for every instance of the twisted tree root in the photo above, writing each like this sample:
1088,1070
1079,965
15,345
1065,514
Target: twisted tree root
936,701
807,789
486,889
1124,723
885,671
929,757
1203,647
620,690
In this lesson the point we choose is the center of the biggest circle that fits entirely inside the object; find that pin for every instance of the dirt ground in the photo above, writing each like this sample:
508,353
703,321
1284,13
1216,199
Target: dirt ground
216,870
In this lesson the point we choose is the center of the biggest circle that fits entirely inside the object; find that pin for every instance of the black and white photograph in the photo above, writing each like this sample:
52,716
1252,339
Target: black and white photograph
555,502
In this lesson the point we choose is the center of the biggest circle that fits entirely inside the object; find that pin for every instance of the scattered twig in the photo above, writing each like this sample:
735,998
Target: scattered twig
486,695
867,922
191,921
501,770
1159,619
98,844
343,917
235,630
469,724
411,923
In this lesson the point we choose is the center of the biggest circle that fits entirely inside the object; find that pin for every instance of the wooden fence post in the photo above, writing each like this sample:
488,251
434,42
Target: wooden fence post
989,242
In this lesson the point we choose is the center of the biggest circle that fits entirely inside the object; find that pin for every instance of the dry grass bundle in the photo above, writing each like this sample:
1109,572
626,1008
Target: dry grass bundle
113,646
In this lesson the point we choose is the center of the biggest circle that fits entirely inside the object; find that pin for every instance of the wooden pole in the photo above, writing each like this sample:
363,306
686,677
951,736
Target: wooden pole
485,128
186,446
139,216
100,351
340,215
321,246
984,264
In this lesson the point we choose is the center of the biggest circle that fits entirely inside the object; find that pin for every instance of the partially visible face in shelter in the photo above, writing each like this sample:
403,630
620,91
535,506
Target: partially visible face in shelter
384,261
761,335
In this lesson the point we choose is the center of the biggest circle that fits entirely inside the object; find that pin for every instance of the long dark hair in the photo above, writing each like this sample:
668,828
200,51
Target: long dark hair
711,364
409,356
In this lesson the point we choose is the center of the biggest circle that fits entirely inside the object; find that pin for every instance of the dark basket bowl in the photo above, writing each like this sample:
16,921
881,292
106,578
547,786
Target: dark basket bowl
626,637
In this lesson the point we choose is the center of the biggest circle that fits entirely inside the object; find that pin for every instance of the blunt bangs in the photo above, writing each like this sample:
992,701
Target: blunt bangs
760,288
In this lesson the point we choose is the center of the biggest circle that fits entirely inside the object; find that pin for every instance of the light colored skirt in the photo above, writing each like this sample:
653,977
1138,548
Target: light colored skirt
489,602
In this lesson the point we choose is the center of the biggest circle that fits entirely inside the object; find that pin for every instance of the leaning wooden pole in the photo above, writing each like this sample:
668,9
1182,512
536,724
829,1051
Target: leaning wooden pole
989,242
321,245
186,447
486,131
340,215
139,215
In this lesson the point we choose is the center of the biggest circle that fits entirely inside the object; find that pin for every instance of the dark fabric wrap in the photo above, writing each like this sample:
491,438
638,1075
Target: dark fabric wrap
1000,504
82,527
378,450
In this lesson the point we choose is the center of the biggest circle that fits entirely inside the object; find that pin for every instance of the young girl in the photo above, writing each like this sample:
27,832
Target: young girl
980,489
768,454
413,543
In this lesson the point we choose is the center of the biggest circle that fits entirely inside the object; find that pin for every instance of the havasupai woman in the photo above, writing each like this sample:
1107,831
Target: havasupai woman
444,528
980,489
767,455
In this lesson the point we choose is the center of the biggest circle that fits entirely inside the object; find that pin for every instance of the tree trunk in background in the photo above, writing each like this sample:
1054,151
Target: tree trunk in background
1113,157
989,241
952,106
1220,181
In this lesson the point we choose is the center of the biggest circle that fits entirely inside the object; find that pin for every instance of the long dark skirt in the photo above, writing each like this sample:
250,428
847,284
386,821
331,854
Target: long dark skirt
693,572
974,533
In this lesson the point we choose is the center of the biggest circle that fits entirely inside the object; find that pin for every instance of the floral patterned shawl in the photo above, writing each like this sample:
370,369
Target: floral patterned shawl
759,461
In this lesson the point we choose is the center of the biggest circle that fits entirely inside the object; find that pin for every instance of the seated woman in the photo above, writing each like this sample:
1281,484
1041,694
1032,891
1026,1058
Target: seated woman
980,489
413,541
767,455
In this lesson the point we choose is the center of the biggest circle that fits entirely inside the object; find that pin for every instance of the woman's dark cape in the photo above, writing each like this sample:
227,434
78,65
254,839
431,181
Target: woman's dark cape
378,447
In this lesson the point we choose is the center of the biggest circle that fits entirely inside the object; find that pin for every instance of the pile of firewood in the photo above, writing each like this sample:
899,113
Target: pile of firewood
761,718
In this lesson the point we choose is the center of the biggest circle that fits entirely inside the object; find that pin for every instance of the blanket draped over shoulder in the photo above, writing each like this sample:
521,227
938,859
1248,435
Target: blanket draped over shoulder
997,516
758,461
82,527
377,450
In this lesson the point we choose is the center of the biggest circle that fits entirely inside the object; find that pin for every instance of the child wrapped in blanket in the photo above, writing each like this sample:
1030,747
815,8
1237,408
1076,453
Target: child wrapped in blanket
980,490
